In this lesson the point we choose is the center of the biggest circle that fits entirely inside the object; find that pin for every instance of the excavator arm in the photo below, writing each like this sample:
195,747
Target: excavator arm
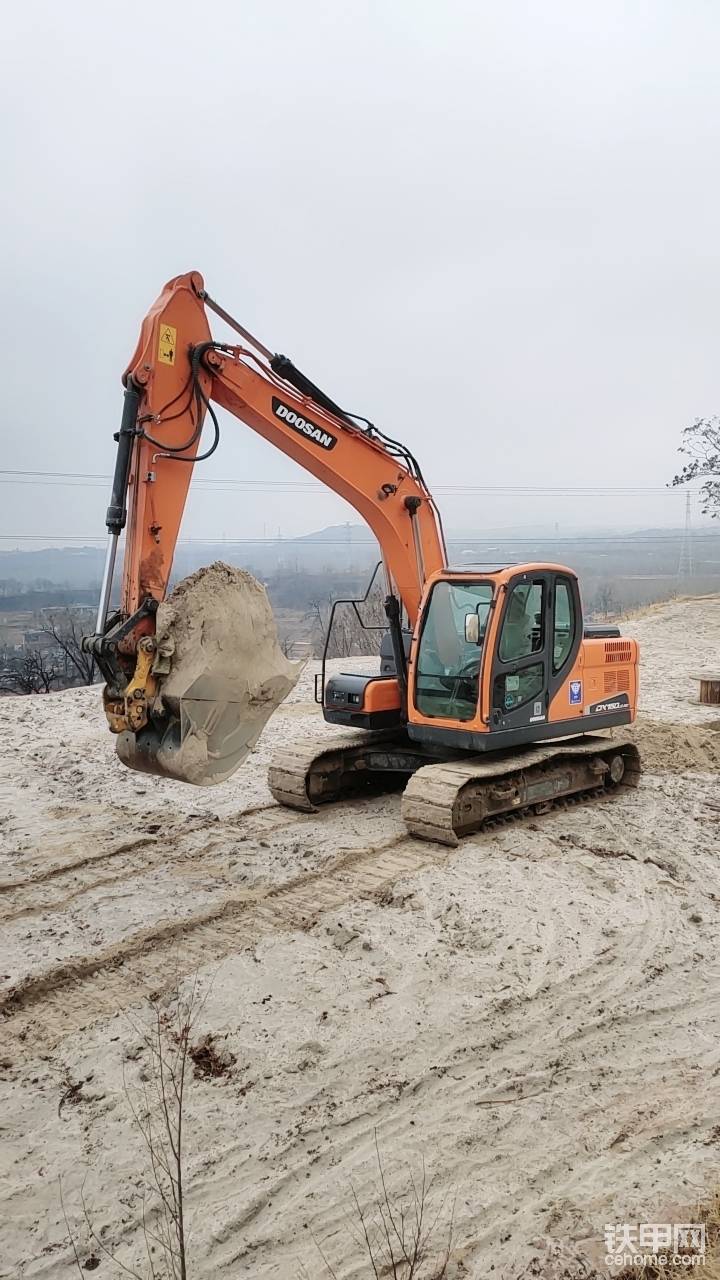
176,376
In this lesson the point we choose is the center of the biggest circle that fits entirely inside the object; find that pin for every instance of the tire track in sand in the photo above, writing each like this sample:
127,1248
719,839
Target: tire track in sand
43,1008
19,898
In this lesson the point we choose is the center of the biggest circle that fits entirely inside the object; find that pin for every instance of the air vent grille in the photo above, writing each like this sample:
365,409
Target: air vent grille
617,681
618,651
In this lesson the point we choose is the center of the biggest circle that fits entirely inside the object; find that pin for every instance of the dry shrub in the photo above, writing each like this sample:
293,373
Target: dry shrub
157,1103
403,1233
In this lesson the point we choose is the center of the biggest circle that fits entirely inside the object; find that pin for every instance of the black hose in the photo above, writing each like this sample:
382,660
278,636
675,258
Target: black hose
172,452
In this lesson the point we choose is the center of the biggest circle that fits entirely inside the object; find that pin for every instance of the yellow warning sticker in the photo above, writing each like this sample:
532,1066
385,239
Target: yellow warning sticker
166,344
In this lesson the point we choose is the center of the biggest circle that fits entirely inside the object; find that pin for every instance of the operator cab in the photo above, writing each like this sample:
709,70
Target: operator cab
451,676
531,617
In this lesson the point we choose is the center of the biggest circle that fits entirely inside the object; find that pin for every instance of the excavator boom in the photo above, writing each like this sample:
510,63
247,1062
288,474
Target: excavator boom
176,374
489,664
176,378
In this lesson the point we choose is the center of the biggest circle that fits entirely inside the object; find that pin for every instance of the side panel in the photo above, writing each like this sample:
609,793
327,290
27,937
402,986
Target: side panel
382,695
608,676
567,701
367,702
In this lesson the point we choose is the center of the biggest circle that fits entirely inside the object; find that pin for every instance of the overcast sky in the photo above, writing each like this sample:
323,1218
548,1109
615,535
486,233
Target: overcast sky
491,227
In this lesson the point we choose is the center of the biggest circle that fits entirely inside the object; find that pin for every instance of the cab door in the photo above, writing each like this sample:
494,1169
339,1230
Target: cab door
519,687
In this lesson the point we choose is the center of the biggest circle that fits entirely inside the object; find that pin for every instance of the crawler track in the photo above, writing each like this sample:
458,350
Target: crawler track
319,770
446,801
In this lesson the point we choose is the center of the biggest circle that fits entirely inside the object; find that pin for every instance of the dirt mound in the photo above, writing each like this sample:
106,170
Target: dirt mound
222,674
675,748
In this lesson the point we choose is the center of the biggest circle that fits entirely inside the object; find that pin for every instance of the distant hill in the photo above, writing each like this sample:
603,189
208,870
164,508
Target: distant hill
649,559
60,566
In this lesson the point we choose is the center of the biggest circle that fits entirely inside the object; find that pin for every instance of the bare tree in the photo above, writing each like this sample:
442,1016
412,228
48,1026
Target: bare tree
604,600
157,1104
65,628
357,628
701,444
405,1234
29,672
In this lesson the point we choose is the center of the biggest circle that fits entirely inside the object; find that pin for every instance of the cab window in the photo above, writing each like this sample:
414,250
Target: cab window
448,666
522,629
563,625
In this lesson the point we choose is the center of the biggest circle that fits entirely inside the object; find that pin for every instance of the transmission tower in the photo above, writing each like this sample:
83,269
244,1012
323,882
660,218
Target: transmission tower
685,562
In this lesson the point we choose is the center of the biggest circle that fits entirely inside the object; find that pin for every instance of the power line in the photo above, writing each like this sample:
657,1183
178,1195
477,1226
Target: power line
95,479
590,541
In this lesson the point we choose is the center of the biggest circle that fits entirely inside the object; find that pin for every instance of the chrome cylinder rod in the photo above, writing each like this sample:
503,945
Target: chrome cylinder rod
117,511
107,581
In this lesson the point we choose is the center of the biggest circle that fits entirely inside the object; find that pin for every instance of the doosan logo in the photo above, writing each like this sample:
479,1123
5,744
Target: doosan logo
303,425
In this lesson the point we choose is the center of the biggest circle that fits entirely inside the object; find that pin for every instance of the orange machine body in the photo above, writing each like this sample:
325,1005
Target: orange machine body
559,678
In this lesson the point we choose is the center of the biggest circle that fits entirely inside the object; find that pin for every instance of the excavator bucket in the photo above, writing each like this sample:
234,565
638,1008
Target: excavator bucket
220,674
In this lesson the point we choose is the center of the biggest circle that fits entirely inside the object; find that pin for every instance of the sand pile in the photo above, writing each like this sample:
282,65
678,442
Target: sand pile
674,748
222,674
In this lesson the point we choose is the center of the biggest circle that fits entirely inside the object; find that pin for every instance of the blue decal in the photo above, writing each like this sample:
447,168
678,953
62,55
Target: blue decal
575,692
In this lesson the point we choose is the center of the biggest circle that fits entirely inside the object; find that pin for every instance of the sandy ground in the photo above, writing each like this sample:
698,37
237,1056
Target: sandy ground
534,1014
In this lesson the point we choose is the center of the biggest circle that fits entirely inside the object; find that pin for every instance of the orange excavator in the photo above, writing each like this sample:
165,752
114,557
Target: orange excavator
491,687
